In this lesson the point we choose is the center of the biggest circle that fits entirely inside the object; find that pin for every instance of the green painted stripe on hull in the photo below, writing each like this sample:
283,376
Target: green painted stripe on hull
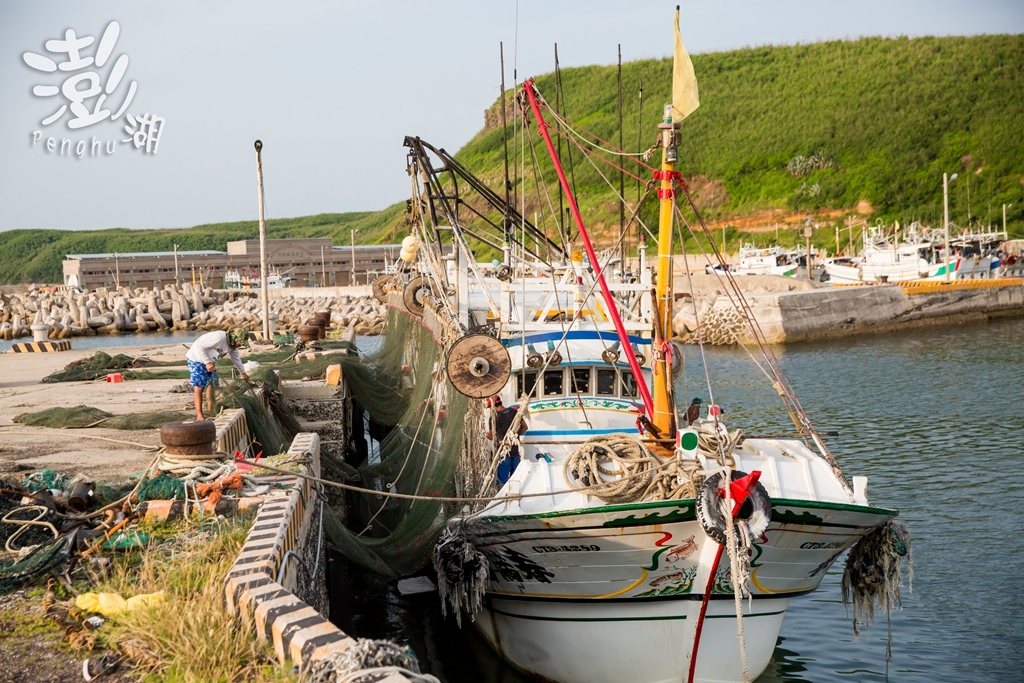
634,599
691,514
534,617
686,502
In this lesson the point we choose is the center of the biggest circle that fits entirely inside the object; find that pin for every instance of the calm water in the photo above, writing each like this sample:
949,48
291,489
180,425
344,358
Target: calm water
107,341
935,419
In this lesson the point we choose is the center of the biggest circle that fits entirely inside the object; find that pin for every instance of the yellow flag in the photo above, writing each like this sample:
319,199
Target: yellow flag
684,81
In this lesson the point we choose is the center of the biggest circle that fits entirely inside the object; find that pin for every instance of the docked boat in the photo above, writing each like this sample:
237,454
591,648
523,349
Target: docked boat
235,279
587,527
774,260
917,254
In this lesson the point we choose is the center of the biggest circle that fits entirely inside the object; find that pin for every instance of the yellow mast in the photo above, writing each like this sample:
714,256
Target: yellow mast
664,417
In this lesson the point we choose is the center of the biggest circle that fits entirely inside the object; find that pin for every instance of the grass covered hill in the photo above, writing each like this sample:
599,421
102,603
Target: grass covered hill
819,130
826,130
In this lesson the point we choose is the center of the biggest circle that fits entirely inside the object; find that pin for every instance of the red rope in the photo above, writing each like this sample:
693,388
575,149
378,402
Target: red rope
703,611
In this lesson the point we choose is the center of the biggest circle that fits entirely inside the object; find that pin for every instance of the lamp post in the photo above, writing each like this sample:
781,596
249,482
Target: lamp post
264,294
177,281
352,233
945,214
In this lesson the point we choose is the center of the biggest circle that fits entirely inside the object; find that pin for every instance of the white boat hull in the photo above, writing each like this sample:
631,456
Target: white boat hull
615,594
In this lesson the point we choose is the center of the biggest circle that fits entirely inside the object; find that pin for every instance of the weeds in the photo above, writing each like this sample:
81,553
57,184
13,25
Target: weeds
189,637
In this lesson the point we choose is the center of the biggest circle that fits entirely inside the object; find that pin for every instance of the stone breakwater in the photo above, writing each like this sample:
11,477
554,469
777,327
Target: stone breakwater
792,310
119,311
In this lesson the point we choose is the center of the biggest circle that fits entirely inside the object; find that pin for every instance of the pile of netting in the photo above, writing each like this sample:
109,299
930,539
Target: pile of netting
425,427
98,365
83,417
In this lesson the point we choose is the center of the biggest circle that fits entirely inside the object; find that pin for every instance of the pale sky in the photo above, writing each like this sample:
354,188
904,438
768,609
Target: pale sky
331,87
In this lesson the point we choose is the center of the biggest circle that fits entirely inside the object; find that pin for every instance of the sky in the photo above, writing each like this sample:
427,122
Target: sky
331,87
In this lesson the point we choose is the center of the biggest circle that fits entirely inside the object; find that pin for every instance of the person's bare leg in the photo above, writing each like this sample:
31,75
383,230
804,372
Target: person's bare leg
211,405
197,396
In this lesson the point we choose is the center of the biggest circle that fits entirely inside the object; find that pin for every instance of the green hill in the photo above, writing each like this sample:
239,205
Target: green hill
823,131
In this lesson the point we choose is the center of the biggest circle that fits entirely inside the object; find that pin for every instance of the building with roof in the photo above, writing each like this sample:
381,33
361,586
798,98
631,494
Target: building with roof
310,261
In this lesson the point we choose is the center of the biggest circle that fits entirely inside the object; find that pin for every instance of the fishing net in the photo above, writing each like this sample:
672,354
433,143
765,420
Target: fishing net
28,550
81,417
425,431
98,365
17,571
873,577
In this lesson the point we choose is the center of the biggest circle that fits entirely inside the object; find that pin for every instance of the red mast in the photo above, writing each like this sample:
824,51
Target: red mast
606,293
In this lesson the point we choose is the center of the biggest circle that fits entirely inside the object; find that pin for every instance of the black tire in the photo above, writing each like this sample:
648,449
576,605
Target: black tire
756,510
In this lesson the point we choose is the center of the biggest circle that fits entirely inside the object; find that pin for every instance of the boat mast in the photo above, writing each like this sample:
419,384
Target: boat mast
664,412
613,310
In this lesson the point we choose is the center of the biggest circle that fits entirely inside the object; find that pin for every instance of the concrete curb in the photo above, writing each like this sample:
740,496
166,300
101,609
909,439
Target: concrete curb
297,632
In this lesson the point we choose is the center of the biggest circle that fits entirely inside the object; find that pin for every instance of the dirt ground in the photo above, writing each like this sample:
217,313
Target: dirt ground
32,648
102,454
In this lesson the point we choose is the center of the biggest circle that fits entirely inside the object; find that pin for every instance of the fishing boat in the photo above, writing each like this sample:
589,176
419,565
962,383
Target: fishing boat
918,253
774,260
234,279
591,531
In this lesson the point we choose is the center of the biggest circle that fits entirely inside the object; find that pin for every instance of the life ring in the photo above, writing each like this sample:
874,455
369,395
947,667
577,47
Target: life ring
756,511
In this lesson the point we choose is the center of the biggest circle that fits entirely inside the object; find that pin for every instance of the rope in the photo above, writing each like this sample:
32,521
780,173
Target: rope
616,467
365,661
462,572
89,436
24,524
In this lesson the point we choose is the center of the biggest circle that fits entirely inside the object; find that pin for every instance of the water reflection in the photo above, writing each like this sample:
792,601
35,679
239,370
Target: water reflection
935,419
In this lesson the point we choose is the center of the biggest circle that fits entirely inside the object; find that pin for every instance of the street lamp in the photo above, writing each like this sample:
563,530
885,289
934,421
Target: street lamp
945,214
352,232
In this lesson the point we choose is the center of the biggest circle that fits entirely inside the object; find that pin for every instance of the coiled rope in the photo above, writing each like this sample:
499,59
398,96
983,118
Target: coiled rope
365,661
616,467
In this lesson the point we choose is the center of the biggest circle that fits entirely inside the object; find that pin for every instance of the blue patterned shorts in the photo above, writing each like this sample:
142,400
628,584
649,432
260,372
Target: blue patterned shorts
199,376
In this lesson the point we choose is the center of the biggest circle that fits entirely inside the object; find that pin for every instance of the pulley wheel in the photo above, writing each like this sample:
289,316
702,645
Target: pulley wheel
380,287
414,295
478,365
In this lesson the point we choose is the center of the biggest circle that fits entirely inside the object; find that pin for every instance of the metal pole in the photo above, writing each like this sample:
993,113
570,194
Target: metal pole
323,268
352,279
945,217
264,294
177,280
117,273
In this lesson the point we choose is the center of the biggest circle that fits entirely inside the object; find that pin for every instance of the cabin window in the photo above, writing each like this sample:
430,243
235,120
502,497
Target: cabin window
526,381
628,385
553,383
606,382
580,381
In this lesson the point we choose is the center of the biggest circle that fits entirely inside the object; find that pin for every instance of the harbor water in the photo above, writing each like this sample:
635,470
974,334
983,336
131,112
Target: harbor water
935,419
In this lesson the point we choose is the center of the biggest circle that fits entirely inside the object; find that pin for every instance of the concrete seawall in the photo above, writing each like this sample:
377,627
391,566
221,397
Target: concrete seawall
804,312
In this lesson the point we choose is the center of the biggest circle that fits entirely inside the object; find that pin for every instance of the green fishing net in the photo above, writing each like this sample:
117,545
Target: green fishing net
98,365
388,536
82,417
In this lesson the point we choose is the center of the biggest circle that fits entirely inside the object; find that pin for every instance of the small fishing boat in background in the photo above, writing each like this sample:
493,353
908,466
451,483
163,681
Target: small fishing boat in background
234,279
